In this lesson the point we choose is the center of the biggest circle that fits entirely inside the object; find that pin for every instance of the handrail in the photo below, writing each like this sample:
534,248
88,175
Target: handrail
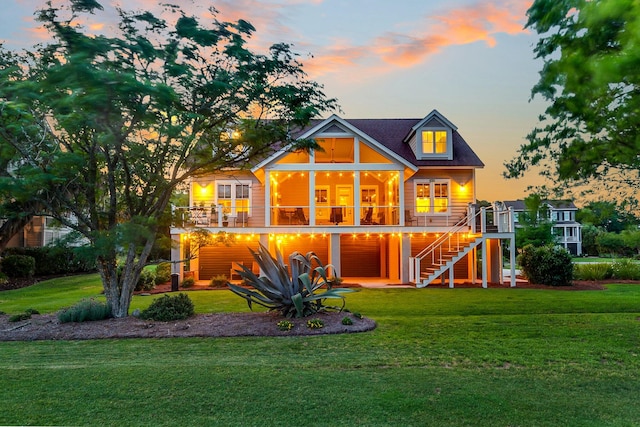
464,222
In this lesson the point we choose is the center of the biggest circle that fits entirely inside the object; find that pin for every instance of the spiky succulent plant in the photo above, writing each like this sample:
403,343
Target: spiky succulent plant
300,293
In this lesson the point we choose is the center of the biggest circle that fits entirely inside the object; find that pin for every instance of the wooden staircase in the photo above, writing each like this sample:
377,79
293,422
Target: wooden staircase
450,247
444,258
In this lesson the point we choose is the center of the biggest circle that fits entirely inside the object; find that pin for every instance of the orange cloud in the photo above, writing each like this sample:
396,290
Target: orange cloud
467,24
478,22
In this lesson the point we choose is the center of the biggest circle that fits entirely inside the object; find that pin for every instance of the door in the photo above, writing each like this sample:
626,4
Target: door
344,199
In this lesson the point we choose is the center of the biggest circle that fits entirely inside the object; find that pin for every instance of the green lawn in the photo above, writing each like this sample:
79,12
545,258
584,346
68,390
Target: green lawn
441,357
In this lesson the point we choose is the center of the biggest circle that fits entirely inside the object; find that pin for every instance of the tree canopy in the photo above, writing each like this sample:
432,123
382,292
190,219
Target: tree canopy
589,131
99,129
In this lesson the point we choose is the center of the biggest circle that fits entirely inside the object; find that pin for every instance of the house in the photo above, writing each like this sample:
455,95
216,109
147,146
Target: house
40,231
562,213
386,198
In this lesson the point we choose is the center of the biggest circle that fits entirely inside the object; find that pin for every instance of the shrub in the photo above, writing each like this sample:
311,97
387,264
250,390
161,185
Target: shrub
626,269
596,271
85,310
292,295
18,265
347,320
20,317
546,265
52,260
188,282
163,273
146,281
167,308
218,281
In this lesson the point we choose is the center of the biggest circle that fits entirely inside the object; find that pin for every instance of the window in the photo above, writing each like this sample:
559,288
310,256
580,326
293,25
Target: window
432,197
234,197
434,141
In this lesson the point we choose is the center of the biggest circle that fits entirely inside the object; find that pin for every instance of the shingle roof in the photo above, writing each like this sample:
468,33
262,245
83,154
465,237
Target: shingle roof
392,132
518,205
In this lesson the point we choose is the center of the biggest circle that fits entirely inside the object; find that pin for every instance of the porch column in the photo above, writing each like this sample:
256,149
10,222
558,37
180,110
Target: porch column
267,201
494,260
176,255
334,253
512,259
405,253
485,260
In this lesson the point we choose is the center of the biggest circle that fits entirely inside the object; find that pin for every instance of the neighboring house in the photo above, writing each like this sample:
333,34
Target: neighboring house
387,198
562,213
40,231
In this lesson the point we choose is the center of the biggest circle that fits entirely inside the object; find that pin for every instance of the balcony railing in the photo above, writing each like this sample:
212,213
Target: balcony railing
318,216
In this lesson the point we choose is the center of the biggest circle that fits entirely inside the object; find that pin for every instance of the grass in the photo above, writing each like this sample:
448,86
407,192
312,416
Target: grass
476,357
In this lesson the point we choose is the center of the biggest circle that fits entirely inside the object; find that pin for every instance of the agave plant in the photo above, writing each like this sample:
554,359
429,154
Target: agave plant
298,294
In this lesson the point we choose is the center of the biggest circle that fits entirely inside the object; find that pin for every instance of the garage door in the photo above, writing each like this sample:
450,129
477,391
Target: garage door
360,257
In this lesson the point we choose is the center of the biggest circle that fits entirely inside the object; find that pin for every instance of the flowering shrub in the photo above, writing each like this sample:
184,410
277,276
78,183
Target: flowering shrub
315,323
285,325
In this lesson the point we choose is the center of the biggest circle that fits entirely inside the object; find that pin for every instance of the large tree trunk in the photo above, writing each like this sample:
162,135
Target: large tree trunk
119,289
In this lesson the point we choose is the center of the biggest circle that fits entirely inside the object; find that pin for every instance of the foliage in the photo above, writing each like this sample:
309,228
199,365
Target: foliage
296,294
52,260
86,310
146,281
18,265
218,281
591,51
610,243
590,235
631,240
101,128
535,227
546,265
346,320
188,282
163,273
625,269
23,316
608,216
168,308
593,271
285,325
315,323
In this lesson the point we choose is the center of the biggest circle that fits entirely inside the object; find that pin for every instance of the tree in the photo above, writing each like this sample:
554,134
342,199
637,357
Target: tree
591,53
609,216
534,224
105,127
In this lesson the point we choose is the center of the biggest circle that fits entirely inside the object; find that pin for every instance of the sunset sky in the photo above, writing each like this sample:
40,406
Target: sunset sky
470,60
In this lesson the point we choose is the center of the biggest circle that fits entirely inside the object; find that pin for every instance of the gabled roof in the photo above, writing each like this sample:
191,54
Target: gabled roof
391,135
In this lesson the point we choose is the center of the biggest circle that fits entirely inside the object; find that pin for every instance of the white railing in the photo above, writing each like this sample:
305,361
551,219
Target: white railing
476,222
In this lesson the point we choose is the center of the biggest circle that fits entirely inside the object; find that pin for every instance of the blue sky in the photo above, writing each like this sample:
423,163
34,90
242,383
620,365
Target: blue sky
470,60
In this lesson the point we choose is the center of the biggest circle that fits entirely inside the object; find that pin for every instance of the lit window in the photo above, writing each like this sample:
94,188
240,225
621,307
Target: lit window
234,197
434,141
432,197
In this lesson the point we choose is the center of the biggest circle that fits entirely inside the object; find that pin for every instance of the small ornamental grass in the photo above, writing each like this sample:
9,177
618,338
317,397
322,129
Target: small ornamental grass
596,271
300,293
85,310
626,269
347,320
168,308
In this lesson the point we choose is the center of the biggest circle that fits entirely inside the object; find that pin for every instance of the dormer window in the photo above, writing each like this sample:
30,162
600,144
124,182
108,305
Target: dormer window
434,141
